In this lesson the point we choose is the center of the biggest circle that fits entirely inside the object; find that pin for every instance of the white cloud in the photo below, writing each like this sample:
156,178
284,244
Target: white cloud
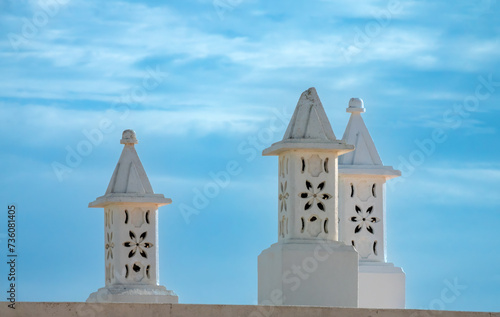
472,184
96,57
41,125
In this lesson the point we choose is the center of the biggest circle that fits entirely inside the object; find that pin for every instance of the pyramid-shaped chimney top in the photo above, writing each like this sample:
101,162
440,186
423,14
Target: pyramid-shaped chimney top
365,157
309,128
129,182
309,120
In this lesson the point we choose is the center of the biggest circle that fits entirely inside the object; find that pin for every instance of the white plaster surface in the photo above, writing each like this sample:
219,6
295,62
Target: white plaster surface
381,285
34,309
311,274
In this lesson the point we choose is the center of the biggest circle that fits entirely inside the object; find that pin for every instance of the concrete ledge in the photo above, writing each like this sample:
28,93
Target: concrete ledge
53,309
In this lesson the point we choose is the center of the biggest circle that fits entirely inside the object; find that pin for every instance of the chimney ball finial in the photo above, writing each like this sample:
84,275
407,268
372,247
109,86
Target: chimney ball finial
129,137
356,105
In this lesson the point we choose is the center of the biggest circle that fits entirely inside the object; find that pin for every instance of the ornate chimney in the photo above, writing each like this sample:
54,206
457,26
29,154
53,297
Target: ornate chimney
362,178
308,265
131,233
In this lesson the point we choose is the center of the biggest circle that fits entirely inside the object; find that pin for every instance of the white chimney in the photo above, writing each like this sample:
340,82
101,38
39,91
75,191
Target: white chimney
308,265
131,233
362,178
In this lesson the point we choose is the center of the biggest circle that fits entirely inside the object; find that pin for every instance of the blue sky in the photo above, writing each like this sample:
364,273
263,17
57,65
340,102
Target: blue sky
204,83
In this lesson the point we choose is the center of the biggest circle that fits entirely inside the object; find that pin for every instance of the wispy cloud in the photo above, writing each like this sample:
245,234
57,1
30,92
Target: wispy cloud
474,184
49,123
95,56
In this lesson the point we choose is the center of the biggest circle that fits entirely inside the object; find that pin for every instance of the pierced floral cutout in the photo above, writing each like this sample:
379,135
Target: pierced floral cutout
282,166
109,245
364,219
108,218
282,227
135,271
315,196
110,273
138,244
283,196
147,271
